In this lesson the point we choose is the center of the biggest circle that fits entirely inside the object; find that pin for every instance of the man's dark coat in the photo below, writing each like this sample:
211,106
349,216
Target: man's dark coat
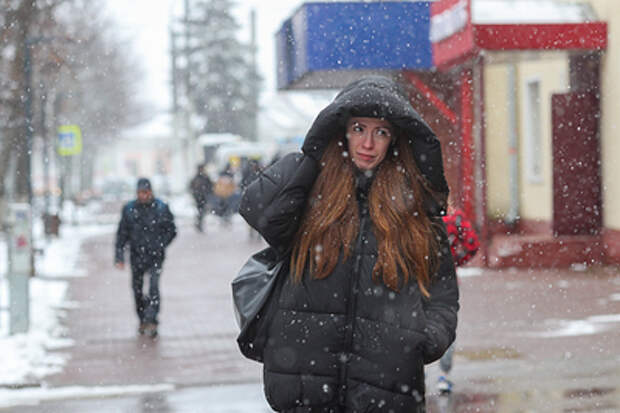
148,229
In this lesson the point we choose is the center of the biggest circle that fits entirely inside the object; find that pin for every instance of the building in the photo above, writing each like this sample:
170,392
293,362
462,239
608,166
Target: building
521,94
148,150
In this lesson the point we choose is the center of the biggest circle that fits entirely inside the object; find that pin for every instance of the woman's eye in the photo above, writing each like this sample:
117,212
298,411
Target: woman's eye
384,133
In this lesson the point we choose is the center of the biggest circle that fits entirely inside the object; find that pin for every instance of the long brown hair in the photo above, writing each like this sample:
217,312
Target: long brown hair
405,236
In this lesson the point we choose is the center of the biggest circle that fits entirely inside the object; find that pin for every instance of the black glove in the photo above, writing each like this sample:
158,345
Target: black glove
328,125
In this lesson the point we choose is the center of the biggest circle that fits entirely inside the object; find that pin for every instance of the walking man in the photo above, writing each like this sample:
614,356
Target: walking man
201,188
147,226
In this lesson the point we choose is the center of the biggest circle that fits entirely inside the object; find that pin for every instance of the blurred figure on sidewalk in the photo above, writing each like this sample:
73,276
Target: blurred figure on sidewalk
147,227
464,244
250,172
226,195
201,188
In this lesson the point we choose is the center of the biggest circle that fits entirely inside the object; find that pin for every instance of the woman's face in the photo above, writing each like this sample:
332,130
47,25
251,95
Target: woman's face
369,140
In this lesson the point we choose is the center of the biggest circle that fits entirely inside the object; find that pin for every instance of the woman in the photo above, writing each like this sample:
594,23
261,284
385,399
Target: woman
371,294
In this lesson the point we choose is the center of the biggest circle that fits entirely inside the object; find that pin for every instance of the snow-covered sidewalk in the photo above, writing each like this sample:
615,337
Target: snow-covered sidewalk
25,358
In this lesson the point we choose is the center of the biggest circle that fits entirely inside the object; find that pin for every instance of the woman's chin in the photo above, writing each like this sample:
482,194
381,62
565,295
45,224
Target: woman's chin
364,165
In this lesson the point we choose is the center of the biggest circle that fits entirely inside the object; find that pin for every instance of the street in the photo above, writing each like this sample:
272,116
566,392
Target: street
528,341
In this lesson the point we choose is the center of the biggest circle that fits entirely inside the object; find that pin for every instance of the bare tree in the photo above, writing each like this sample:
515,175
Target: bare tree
59,59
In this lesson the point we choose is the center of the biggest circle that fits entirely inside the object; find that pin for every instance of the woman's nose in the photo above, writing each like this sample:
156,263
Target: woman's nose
367,140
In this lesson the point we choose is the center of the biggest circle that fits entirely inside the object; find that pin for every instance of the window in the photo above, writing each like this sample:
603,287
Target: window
533,138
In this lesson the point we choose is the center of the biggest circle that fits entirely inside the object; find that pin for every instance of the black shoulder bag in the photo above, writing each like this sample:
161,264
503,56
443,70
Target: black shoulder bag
255,293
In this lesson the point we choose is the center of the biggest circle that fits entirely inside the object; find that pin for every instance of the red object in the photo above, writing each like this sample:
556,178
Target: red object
611,241
432,97
21,242
577,195
458,38
463,239
467,160
459,46
550,36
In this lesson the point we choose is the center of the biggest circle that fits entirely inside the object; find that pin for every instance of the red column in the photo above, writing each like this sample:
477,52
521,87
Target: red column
467,159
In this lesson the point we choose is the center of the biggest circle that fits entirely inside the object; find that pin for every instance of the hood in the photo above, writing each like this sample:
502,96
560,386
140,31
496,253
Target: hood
378,96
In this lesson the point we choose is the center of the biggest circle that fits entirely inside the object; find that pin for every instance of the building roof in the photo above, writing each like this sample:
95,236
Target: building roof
530,11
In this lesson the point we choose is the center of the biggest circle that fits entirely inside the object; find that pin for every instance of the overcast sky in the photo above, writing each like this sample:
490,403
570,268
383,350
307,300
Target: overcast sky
147,22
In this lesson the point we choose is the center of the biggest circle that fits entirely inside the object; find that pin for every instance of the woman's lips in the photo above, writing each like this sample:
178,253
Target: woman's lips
365,157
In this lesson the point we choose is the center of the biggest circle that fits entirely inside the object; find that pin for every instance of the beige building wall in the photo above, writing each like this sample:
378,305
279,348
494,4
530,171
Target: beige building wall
497,139
550,73
609,11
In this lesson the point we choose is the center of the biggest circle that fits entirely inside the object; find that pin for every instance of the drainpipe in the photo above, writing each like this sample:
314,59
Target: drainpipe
513,158
480,164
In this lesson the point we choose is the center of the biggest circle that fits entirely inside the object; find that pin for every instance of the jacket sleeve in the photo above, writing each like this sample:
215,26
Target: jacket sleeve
122,236
169,229
443,304
273,203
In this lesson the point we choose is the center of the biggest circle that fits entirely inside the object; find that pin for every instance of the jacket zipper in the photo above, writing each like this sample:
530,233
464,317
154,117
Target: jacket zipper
350,323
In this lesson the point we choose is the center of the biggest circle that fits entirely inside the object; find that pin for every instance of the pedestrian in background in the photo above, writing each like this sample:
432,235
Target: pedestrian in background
464,244
201,188
226,196
371,294
147,227
250,172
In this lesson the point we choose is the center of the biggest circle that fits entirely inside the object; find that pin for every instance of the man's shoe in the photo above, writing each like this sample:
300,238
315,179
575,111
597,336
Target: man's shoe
151,329
444,386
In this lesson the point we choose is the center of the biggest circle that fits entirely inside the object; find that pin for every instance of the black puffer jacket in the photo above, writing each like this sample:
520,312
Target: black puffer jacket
346,343
148,229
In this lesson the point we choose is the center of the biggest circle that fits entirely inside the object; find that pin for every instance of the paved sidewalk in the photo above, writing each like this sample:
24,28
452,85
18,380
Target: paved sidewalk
196,343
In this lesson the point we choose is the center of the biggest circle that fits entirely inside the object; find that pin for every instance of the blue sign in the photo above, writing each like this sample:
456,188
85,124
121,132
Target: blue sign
69,140
347,36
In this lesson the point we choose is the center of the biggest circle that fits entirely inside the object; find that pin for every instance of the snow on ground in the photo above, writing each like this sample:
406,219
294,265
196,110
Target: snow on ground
229,398
590,325
469,271
24,357
34,396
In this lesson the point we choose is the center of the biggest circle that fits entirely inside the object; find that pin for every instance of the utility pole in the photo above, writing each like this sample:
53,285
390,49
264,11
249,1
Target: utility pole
20,246
28,114
175,71
253,78
20,250
177,125
189,132
46,155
